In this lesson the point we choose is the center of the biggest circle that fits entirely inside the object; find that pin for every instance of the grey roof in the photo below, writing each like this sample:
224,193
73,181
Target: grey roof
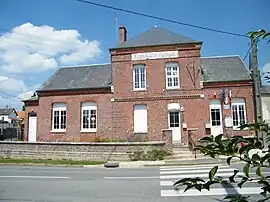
156,36
6,111
265,89
224,68
33,98
81,77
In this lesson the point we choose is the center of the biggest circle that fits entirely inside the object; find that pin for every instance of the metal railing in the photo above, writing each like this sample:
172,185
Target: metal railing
191,144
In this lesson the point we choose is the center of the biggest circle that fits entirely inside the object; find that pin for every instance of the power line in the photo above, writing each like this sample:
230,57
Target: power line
10,95
247,53
161,18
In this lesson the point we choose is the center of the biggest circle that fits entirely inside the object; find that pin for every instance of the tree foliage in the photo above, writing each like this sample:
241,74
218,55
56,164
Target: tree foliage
236,147
260,34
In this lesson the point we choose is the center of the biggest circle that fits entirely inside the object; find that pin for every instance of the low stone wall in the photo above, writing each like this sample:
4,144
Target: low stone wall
75,151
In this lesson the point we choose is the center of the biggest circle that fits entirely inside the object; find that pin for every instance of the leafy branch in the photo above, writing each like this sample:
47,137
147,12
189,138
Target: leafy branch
235,147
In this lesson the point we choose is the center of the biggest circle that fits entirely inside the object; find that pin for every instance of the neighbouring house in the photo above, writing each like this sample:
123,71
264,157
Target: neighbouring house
265,94
8,115
154,82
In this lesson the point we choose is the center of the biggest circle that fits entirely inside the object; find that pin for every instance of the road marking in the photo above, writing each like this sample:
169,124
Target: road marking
194,171
192,168
171,183
197,175
123,177
213,192
202,175
36,177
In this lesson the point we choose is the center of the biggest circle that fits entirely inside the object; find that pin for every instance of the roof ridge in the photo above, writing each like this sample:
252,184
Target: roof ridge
81,66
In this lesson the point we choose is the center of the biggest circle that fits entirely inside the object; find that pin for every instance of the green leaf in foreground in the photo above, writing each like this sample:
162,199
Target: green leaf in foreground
229,160
213,172
246,169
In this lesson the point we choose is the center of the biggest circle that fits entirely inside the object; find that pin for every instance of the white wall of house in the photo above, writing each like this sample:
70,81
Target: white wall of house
6,117
266,107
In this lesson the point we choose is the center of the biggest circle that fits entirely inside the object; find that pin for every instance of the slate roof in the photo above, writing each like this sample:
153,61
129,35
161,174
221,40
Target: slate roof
33,98
224,68
6,111
156,36
82,77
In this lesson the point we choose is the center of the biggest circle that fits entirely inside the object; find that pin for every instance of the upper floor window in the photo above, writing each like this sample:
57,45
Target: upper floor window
172,76
59,117
89,117
238,112
139,77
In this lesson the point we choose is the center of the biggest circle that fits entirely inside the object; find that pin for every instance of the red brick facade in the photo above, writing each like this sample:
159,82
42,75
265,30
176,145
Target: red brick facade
115,109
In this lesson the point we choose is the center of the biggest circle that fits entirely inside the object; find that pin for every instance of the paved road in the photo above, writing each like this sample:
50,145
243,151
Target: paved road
21,183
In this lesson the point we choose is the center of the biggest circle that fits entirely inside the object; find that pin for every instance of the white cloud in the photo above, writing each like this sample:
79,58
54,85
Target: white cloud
14,90
30,48
11,84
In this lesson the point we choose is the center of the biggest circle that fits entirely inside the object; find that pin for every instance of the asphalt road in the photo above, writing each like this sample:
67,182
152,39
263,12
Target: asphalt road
65,184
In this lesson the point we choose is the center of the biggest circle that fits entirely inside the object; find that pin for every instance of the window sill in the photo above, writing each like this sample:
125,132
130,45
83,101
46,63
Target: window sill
58,131
139,89
88,131
175,88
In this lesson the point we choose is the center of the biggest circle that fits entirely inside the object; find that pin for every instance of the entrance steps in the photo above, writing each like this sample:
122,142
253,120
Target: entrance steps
182,155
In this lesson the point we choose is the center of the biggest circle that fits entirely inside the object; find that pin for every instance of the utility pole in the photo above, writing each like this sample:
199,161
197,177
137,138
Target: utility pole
256,87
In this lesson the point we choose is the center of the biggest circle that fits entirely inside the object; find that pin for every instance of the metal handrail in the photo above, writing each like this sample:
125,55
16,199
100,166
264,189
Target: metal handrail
191,144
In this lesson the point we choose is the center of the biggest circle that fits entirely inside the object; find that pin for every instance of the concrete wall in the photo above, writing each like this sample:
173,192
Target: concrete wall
266,108
76,151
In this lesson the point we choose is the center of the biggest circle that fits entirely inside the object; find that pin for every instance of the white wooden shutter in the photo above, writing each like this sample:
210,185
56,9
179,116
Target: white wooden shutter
140,119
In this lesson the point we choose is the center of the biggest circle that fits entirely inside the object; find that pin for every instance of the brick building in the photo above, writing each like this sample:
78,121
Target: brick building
155,81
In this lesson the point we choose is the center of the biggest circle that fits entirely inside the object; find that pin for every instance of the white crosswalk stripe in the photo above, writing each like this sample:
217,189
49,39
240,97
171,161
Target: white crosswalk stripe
170,174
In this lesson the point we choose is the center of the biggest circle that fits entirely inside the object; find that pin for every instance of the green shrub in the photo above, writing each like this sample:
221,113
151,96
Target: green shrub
151,155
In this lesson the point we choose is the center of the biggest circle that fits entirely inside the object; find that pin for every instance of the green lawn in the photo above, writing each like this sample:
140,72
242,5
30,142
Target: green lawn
47,161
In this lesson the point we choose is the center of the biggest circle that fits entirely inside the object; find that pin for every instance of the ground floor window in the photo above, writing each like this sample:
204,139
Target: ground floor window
238,112
89,117
59,117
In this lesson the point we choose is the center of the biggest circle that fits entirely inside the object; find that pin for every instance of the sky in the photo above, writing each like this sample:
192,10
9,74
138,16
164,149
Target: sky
38,37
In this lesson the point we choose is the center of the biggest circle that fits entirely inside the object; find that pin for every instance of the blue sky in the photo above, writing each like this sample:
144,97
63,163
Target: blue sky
94,29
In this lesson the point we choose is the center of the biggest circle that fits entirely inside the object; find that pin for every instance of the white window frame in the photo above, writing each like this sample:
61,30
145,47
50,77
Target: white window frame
137,129
140,67
238,102
60,107
171,65
88,106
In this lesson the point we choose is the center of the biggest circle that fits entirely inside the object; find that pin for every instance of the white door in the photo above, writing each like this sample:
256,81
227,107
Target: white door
216,118
174,125
32,129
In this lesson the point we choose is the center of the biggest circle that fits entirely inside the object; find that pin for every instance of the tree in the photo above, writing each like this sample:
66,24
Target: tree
240,148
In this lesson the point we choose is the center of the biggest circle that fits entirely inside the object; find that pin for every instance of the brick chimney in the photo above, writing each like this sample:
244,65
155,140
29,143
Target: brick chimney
122,34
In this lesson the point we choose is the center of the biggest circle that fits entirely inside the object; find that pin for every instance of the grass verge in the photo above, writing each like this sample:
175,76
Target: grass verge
47,162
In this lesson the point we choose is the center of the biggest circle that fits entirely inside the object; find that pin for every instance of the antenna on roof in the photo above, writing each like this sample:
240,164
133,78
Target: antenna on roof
117,25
